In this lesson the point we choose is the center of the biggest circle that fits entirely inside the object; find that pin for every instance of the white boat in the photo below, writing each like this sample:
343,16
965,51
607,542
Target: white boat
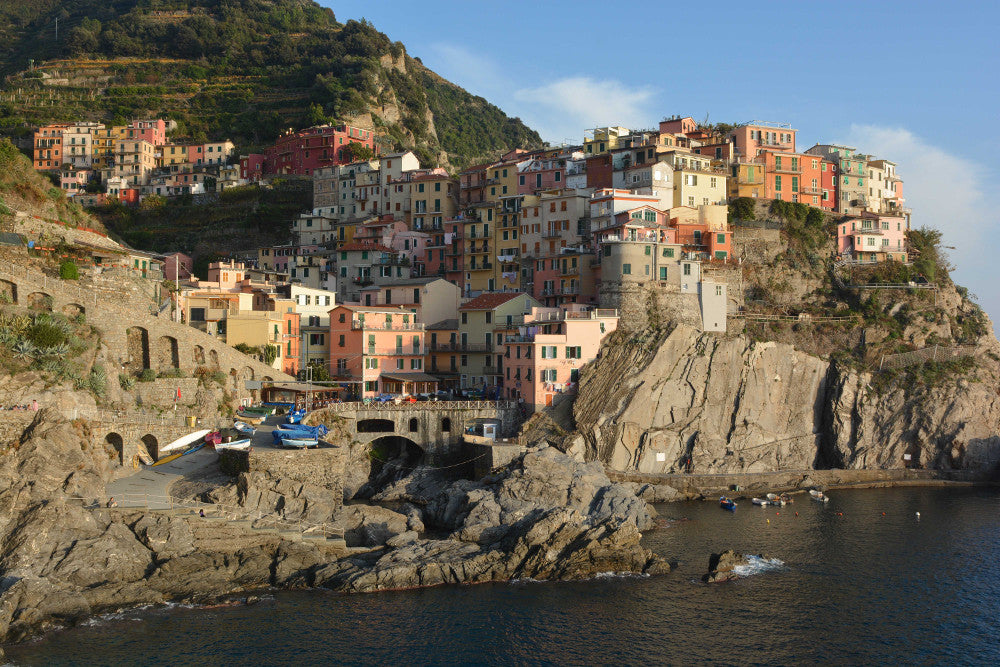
818,496
775,499
239,445
186,440
760,501
299,443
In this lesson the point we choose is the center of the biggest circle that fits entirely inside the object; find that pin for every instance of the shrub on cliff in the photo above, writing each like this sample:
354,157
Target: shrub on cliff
147,375
68,270
44,334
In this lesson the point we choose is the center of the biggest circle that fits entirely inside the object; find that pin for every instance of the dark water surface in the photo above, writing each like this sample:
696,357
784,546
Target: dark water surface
854,588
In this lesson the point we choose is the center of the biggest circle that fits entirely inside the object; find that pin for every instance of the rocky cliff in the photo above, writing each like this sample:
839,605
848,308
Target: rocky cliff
735,404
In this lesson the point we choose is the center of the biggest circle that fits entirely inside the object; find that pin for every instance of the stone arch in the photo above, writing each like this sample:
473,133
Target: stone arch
248,373
376,426
267,378
446,424
199,355
165,353
72,310
39,301
391,457
414,424
8,291
213,360
137,344
152,445
114,445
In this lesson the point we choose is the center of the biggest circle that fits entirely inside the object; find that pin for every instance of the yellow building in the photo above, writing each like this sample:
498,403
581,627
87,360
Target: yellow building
433,199
746,179
696,182
603,139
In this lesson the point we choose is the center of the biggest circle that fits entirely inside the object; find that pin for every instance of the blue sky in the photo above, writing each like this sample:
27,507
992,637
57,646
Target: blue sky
914,82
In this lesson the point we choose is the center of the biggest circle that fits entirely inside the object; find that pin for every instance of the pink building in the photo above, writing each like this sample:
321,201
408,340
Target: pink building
177,266
873,238
678,125
379,348
153,131
545,357
541,174
752,138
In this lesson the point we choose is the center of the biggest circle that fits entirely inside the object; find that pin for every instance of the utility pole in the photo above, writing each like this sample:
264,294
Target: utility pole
57,28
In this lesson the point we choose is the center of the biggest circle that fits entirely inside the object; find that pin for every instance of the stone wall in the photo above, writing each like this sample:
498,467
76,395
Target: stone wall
155,342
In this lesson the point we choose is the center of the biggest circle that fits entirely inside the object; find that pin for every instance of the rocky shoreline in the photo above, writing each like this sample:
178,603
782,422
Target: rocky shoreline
544,517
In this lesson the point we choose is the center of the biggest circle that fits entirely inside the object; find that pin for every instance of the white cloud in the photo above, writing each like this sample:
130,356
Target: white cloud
562,109
948,192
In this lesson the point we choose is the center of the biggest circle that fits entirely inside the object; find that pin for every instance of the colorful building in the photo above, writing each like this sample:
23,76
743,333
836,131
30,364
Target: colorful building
379,348
543,359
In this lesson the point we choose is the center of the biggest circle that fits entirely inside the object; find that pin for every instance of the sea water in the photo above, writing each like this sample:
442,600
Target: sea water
836,583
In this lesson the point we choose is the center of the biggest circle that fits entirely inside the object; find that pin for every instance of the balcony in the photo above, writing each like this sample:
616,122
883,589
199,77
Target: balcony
792,169
358,324
552,234
491,370
392,260
363,281
571,289
507,259
810,191
395,351
487,266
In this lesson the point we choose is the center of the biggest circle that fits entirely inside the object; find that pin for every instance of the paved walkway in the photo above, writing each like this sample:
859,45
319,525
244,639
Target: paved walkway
154,482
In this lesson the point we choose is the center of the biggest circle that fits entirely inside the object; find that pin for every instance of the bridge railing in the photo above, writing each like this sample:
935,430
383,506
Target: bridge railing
258,520
168,418
419,406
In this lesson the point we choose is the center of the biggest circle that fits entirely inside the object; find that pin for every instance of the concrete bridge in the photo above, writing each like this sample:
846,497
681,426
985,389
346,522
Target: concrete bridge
434,426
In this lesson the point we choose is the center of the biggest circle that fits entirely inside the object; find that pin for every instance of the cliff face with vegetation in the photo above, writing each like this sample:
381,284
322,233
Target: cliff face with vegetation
243,70
825,367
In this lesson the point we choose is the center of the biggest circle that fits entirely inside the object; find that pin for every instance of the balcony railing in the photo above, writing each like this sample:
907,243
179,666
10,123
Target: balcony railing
552,233
791,169
377,325
395,351
487,266
491,370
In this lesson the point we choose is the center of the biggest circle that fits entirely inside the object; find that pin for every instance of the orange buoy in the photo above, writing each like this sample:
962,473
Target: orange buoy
796,514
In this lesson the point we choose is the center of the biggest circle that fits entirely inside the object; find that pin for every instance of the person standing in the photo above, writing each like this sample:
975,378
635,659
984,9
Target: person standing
34,405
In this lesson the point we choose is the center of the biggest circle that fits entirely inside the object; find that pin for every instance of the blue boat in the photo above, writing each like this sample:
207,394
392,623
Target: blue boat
727,503
299,433
302,428
295,416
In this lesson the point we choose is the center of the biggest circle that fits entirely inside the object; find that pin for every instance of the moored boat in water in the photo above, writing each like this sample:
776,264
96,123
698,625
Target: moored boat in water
818,496
760,501
727,503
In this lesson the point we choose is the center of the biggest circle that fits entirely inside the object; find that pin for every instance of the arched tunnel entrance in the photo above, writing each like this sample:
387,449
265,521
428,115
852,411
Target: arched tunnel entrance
391,458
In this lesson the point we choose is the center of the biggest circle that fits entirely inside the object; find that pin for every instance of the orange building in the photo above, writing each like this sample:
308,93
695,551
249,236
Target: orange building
48,146
380,348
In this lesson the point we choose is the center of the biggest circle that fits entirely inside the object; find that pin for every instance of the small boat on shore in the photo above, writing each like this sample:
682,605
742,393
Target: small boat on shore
213,438
818,496
295,416
299,443
244,428
727,504
239,445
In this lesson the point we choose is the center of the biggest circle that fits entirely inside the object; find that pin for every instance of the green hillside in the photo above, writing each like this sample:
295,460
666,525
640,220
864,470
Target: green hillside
238,69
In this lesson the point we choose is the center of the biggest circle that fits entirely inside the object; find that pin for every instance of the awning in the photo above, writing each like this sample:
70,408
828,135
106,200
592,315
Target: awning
409,377
301,387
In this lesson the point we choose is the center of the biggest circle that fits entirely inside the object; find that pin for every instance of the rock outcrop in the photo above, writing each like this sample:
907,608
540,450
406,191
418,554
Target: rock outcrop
731,404
64,559
545,517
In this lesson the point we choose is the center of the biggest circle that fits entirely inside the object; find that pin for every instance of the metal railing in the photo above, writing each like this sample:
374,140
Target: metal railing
388,406
933,354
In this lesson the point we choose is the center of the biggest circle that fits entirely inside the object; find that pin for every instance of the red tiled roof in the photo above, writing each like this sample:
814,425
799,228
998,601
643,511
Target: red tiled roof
364,246
490,301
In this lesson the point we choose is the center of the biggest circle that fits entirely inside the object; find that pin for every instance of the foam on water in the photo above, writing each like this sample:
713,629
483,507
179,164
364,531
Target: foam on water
758,565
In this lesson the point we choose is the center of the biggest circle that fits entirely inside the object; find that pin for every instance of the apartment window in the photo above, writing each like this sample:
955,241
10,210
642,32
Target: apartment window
691,201
713,181
626,269
400,365
648,250
777,183
465,318
687,269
